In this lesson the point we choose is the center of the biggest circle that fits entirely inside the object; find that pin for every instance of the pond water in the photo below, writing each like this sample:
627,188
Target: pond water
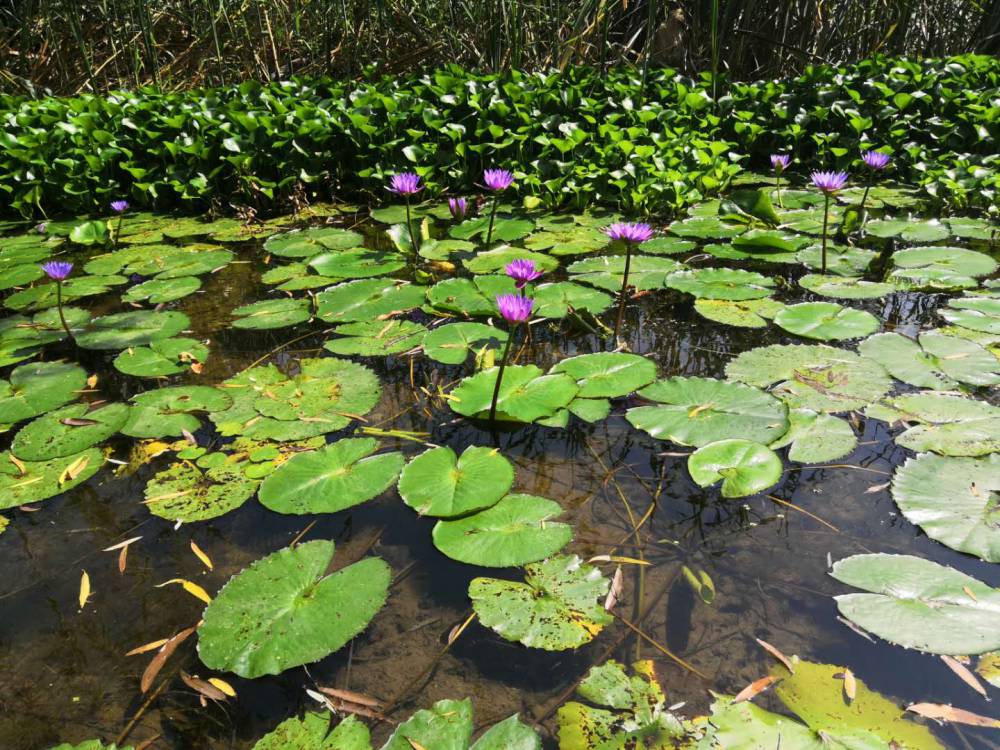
64,673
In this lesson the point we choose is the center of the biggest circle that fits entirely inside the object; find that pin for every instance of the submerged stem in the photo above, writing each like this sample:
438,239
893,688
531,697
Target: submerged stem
777,188
826,218
624,292
493,216
409,226
503,364
59,306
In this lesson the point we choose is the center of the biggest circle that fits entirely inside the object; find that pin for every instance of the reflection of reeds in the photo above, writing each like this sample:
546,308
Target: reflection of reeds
71,46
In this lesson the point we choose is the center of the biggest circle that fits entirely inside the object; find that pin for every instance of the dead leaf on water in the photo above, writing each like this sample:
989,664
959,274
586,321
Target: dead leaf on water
146,647
941,712
205,559
850,685
615,591
755,688
776,654
192,588
206,689
84,589
154,666
224,686
964,674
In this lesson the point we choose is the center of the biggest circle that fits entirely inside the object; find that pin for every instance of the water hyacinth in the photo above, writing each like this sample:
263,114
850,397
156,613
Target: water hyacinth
496,181
515,309
632,234
829,183
522,271
779,162
407,184
459,208
59,271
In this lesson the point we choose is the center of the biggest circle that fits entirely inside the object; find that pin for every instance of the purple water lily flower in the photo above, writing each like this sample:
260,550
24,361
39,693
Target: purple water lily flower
829,182
57,270
630,232
780,162
522,271
405,183
514,307
459,208
875,160
119,207
497,179
41,227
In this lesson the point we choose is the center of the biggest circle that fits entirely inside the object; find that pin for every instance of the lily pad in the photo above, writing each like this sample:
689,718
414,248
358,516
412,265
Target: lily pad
947,424
919,604
941,267
312,732
494,261
124,330
975,313
525,393
505,228
274,313
826,321
367,299
559,605
67,431
846,287
373,338
338,476
751,313
699,411
841,260
816,438
933,361
954,500
32,481
19,275
38,388
183,492
159,291
283,611
575,240
472,297
446,725
607,374
556,300
910,230
451,343
357,264
439,483
706,227
161,358
721,283
517,530
744,466
305,243
167,411
607,271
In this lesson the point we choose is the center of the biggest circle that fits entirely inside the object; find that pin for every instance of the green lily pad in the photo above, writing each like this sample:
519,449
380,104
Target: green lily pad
305,243
947,424
373,338
283,612
559,606
919,604
975,313
183,492
38,388
161,358
840,260
367,299
124,330
493,261
574,240
933,361
312,732
91,745
357,264
744,466
451,343
194,263
909,230
607,374
607,271
721,283
159,291
706,228
525,393
517,530
941,267
338,476
272,313
746,726
32,481
446,725
19,275
751,313
666,246
759,243
845,287
972,228
556,300
439,483
816,438
954,500
44,296
826,321
699,411
470,296
67,431
505,228
167,411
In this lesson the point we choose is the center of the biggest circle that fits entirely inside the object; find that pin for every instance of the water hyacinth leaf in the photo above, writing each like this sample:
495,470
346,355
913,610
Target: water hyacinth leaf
607,374
909,230
557,300
305,243
933,361
161,358
338,476
38,388
607,271
975,313
23,482
376,338
124,330
816,438
744,466
439,483
516,531
367,299
845,287
450,344
283,612
525,393
446,725
746,726
357,264
919,604
312,732
274,313
67,431
184,492
493,261
841,260
159,291
699,411
559,605
954,500
509,734
818,377
505,228
826,321
721,283
947,424
751,313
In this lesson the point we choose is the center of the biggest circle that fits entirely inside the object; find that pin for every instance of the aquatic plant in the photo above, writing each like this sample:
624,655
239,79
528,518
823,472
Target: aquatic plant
779,162
631,234
876,162
59,271
459,208
496,181
407,184
516,310
523,271
829,183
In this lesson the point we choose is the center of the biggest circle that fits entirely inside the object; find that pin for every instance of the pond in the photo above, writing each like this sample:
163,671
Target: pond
286,335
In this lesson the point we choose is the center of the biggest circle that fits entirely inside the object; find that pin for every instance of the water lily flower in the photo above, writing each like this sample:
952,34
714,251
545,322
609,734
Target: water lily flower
59,271
875,160
459,208
522,271
516,310
780,162
405,183
496,180
119,206
829,183
632,234
41,227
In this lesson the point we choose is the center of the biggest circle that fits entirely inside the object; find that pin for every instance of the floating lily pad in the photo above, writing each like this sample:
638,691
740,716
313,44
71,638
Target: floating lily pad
305,243
606,271
721,283
38,388
933,361
446,725
451,343
607,374
954,500
469,296
845,287
312,732
282,611
975,313
919,604
706,227
698,411
159,291
948,424
910,230
826,321
123,330
556,300
517,530
44,296
574,240
746,726
751,313
167,411
273,313
816,438
192,262
525,393
32,481
760,243
560,605
376,338
339,476
367,299
67,431
185,493
161,358
972,228
439,483
841,260
941,267
357,264
19,275
505,228
493,261
744,466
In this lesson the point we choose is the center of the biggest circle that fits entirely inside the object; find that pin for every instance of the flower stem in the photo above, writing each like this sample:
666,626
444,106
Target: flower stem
624,292
826,218
777,187
59,306
493,216
503,364
864,197
409,226
118,230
